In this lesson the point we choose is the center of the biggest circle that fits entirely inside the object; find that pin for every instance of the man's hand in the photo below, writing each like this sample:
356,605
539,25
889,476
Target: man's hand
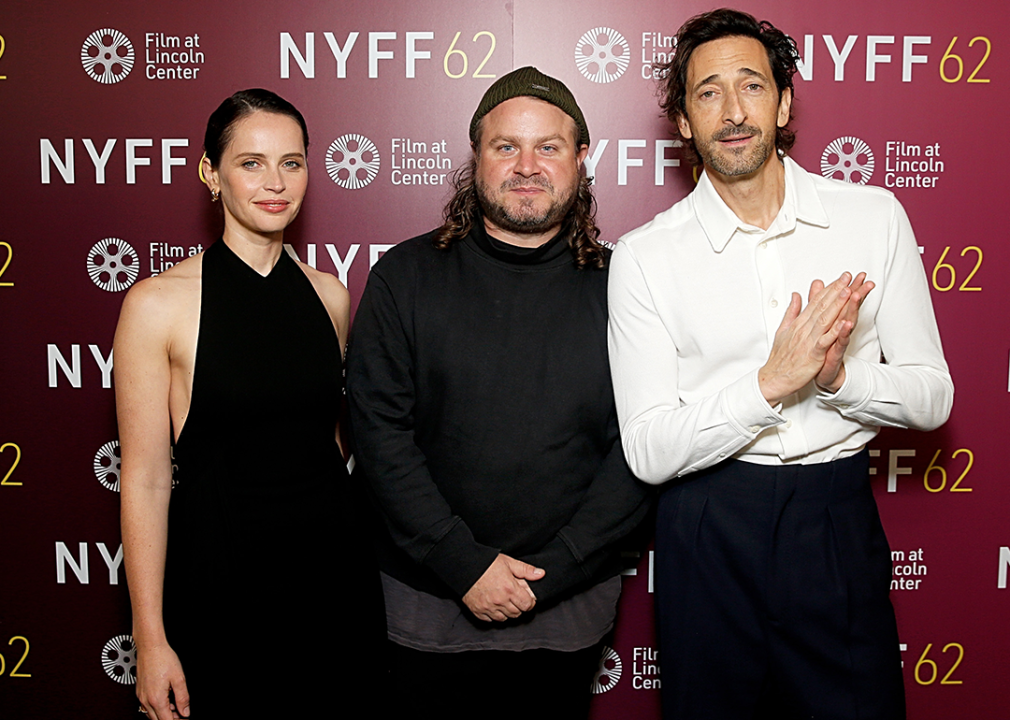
832,374
804,338
502,591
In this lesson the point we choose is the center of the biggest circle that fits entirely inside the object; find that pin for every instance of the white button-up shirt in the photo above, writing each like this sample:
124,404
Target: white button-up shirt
696,296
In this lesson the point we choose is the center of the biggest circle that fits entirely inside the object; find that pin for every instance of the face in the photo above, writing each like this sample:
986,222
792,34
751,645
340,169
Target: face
733,106
262,176
527,166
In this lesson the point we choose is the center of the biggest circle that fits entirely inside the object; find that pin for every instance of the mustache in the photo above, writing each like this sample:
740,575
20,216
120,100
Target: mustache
736,130
536,180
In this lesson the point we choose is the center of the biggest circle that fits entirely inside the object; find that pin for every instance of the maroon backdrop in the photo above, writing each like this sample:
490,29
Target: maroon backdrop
104,106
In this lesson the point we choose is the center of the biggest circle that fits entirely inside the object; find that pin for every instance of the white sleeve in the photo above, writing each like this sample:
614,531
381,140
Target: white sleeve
912,388
662,437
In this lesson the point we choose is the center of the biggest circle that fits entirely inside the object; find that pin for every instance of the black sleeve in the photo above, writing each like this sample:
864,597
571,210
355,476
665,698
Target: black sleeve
381,396
614,505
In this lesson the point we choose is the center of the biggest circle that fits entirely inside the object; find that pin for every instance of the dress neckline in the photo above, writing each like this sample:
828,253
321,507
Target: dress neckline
232,259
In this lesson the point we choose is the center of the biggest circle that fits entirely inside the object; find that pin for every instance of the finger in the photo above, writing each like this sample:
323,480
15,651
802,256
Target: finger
816,288
524,600
181,696
525,570
831,335
792,312
830,307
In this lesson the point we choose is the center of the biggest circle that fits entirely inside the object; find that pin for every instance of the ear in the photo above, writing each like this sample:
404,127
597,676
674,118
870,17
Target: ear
209,175
785,105
580,157
684,126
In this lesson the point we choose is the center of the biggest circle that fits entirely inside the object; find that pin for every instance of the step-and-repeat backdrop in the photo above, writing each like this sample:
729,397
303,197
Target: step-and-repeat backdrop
103,111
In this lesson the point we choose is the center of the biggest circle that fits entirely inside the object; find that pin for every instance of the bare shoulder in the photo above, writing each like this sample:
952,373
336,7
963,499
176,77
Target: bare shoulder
155,308
329,288
169,292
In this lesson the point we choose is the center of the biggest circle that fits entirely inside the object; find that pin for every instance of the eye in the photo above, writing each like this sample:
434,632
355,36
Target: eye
506,148
250,164
549,148
292,164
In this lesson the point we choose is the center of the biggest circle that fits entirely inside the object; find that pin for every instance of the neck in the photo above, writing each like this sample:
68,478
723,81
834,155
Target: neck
526,240
260,252
755,198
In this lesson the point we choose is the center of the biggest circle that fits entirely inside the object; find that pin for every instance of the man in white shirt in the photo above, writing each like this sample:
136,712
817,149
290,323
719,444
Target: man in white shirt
772,569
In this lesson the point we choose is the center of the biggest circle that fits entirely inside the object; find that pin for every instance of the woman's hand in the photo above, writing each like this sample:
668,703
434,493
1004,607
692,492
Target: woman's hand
158,672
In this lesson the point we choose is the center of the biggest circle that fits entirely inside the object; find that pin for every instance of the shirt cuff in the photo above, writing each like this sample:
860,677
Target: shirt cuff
746,408
856,390
459,560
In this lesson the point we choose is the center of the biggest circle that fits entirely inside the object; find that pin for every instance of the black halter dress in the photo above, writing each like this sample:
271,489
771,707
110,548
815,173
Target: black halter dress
270,600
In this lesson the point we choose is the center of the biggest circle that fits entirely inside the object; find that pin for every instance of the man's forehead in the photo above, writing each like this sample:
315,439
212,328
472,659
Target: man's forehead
731,55
529,116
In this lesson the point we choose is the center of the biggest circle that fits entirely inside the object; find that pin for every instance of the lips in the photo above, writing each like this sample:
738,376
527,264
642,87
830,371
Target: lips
273,206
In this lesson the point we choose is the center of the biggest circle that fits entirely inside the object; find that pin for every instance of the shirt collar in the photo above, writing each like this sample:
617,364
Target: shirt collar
801,203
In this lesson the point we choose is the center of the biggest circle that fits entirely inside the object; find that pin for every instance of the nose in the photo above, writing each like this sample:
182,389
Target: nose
527,163
733,109
274,179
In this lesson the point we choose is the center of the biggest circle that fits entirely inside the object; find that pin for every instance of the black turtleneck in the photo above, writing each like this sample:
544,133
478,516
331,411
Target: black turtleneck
483,414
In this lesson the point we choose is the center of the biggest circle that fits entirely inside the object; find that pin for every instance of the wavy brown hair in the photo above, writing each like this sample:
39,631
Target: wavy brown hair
782,56
464,209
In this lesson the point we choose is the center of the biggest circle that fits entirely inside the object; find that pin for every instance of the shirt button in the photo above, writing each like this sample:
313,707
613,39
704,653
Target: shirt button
789,424
774,303
764,245
755,428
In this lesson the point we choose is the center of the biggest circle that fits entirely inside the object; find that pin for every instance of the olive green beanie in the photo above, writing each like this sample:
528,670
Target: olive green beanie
530,81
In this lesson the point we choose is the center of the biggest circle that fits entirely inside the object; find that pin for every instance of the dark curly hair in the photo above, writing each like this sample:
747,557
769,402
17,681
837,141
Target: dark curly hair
464,209
782,56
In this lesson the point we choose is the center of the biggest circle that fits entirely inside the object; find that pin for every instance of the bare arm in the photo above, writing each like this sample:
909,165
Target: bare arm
143,380
337,302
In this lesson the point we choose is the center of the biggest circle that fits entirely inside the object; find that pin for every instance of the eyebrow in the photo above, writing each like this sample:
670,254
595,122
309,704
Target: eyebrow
263,155
515,141
742,71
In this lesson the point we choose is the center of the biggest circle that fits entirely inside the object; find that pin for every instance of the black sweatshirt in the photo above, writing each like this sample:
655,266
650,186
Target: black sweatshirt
483,418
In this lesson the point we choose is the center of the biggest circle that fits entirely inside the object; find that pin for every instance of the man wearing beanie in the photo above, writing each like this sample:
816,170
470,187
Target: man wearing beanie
483,420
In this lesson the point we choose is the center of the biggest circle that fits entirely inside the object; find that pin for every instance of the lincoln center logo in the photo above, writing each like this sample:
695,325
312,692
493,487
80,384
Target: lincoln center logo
107,56
119,658
849,159
107,463
602,54
609,672
352,161
112,264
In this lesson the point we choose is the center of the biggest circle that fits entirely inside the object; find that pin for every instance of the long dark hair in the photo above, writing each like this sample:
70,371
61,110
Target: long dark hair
239,105
782,56
463,210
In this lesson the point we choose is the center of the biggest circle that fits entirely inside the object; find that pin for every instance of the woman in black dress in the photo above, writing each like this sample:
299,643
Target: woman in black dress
236,356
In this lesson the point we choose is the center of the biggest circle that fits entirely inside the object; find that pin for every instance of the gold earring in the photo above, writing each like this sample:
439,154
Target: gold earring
215,195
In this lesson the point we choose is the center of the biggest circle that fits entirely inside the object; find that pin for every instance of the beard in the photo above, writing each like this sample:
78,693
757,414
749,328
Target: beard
731,162
526,219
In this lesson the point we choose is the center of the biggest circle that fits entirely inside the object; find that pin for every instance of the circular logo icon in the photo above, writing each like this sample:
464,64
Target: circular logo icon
107,56
602,54
849,159
112,264
119,658
609,673
352,161
107,463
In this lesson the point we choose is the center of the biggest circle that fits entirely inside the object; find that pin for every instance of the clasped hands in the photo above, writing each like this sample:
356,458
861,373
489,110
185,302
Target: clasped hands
503,592
810,342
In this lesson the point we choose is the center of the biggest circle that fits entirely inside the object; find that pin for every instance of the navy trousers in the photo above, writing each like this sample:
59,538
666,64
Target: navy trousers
772,595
